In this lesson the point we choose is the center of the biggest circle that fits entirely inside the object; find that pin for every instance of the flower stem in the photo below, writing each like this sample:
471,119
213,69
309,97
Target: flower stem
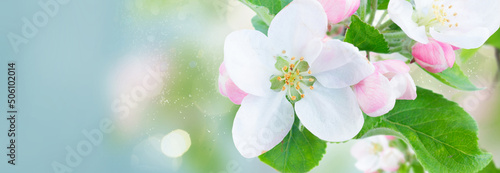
362,9
385,25
395,35
373,11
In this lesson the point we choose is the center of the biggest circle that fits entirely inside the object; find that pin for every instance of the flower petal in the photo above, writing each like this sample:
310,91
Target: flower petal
368,164
330,114
228,88
391,66
471,24
261,123
401,13
339,10
398,84
411,89
390,159
249,61
431,56
340,65
299,28
375,95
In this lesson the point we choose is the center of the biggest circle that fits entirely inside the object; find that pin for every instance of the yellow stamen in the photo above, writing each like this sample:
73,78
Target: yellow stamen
311,87
293,97
300,77
292,66
279,78
283,89
283,51
311,79
293,58
285,68
301,58
309,72
302,96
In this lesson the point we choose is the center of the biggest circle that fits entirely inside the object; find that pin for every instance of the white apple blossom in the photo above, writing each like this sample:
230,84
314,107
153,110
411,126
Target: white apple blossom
374,154
294,65
461,23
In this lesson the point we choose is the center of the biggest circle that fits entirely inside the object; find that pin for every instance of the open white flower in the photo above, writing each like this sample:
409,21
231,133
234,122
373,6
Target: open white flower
461,23
294,63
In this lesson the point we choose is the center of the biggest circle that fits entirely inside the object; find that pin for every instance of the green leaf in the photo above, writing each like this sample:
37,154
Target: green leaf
365,37
274,6
494,39
466,54
455,78
300,151
382,4
491,168
442,134
260,25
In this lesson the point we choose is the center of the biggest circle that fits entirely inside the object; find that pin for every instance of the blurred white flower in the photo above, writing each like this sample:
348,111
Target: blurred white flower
374,154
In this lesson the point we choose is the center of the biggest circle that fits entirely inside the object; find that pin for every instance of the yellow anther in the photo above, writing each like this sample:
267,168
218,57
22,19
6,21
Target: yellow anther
297,72
456,24
285,68
297,87
302,96
311,87
301,58
300,77
293,58
450,25
279,78
291,84
293,97
442,5
292,66
311,79
283,51
309,72
450,6
454,14
283,88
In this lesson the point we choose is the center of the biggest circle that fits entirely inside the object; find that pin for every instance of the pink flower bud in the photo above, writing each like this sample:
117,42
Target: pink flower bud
339,10
228,88
434,56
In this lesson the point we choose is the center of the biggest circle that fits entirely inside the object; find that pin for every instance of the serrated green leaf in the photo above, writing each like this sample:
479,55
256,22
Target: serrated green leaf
466,54
442,134
454,77
491,168
300,151
365,36
260,25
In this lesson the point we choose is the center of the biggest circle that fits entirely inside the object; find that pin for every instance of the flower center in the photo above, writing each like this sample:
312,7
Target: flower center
444,13
293,78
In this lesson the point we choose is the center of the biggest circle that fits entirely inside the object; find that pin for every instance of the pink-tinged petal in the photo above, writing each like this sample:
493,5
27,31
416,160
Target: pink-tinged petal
228,88
449,53
455,47
339,10
375,95
261,123
391,66
235,94
390,137
391,159
298,29
248,58
433,56
411,89
330,114
340,65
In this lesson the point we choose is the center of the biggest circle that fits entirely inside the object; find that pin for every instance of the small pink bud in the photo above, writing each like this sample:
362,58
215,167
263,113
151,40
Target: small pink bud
434,56
228,88
339,10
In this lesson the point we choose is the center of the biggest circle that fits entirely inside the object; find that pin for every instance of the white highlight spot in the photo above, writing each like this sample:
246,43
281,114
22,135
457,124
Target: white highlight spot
175,143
